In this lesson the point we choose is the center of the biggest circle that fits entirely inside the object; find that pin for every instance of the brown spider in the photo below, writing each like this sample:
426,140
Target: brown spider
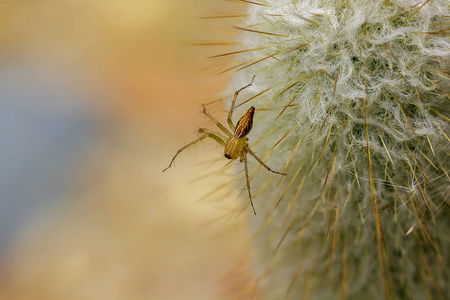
235,144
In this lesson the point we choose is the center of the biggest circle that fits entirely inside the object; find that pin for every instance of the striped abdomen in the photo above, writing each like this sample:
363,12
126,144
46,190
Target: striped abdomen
234,147
245,124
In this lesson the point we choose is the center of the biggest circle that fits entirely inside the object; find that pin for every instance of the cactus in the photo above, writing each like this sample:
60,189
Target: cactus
353,104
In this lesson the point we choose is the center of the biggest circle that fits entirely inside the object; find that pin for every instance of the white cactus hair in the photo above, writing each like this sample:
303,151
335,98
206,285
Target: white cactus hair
352,101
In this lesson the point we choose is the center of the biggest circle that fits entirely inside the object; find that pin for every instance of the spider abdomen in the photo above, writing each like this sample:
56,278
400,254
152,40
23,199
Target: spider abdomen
245,123
234,147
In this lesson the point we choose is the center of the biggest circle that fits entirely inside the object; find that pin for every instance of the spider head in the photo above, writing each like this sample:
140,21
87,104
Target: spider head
234,147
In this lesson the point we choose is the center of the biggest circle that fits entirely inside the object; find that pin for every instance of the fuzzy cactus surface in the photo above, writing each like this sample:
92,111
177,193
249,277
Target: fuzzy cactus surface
352,101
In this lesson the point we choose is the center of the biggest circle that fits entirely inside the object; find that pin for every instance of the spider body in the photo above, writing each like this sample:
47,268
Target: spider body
235,144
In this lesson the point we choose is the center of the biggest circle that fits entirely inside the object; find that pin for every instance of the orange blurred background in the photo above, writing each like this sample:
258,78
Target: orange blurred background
95,98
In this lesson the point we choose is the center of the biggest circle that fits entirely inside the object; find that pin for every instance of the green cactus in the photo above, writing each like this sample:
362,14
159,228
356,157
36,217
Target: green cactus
353,103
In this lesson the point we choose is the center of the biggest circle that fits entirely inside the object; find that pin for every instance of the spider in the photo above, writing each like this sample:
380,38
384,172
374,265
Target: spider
235,144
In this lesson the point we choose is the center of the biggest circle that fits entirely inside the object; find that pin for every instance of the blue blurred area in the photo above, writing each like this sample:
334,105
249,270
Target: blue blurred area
44,128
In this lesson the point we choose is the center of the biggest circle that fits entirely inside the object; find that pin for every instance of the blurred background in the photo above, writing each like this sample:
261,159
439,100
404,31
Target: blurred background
95,99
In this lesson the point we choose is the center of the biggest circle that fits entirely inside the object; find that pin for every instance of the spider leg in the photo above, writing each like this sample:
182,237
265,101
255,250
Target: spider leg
230,114
248,182
219,138
226,131
205,133
247,148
